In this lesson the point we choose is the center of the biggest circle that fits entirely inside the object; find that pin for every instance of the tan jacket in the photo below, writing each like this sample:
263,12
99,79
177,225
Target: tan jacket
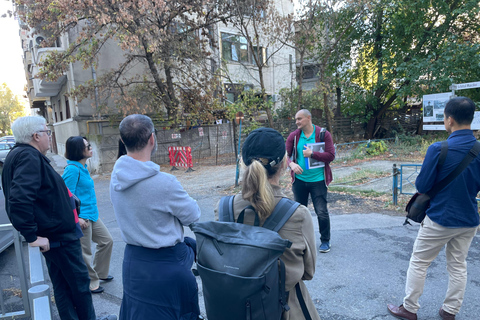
299,259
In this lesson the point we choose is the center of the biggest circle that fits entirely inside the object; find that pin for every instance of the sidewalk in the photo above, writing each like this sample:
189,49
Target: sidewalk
364,271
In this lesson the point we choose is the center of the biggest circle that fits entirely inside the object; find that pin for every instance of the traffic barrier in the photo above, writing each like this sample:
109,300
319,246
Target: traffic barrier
180,157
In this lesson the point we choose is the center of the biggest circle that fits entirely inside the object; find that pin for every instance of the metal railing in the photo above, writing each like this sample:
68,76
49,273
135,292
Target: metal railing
35,293
404,180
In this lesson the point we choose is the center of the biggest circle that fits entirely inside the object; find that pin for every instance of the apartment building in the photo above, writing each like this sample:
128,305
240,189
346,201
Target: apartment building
232,57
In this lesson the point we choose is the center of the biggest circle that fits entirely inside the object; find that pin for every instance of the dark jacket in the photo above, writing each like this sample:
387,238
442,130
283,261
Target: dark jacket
327,156
36,198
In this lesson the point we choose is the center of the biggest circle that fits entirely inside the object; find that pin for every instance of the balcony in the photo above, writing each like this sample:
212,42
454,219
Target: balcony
44,88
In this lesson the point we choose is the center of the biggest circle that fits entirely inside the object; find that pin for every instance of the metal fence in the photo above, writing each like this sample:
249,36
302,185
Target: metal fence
35,293
345,151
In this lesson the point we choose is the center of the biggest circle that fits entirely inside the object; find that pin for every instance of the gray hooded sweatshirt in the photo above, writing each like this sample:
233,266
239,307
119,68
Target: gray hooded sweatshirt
151,207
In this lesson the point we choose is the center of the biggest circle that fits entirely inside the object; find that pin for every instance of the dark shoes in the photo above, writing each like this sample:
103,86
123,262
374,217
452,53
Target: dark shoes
401,312
324,247
445,315
100,289
108,278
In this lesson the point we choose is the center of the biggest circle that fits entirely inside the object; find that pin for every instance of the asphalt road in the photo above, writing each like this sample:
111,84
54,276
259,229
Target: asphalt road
364,271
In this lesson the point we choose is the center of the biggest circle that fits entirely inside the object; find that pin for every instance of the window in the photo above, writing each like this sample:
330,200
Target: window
67,108
233,91
234,48
261,54
310,72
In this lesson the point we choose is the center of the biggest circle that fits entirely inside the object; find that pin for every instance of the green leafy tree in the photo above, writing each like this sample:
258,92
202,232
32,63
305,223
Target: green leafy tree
10,109
407,48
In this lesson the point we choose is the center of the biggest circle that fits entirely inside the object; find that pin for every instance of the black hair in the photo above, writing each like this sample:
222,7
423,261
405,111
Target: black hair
461,109
135,130
121,149
75,148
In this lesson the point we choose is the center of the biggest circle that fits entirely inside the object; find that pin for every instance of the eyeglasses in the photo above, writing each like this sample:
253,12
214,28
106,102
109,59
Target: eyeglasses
48,132
155,131
88,146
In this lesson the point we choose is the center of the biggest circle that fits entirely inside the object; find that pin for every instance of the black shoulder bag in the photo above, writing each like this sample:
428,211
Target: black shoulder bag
419,203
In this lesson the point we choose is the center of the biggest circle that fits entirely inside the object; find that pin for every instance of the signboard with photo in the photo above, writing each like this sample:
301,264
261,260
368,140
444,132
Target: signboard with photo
433,106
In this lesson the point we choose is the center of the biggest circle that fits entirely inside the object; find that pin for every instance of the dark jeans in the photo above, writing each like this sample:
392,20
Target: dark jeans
318,191
70,281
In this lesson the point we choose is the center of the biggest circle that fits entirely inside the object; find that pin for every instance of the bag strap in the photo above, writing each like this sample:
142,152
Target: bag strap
225,208
303,305
443,155
472,154
283,293
280,215
322,134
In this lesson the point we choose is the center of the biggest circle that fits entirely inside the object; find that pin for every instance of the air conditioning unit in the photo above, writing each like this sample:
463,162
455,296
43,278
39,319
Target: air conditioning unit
39,39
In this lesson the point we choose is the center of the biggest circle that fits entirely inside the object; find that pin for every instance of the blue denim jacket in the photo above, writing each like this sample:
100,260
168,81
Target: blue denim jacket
455,206
78,180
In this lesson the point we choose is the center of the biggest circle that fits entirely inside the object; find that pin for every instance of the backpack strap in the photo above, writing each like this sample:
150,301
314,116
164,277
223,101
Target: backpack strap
280,215
322,134
283,293
303,305
225,209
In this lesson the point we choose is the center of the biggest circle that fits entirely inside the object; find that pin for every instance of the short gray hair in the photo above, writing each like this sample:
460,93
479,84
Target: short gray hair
135,130
23,128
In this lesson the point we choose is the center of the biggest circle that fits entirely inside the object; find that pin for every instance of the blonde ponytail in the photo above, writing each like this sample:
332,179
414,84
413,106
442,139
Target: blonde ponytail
257,189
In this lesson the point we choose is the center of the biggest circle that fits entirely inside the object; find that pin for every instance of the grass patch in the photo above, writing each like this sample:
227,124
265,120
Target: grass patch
360,177
361,193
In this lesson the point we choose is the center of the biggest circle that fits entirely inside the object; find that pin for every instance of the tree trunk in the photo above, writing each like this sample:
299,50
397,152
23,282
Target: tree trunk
264,97
326,111
300,83
338,112
370,130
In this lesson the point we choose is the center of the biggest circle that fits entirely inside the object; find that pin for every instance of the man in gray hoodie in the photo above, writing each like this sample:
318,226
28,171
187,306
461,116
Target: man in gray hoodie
151,208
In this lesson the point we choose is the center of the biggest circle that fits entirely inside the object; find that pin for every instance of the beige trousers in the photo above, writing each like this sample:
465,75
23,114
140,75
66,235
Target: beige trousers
98,233
431,238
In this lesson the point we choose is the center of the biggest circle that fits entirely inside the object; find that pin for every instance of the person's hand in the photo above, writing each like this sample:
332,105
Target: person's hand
41,242
296,168
307,152
83,223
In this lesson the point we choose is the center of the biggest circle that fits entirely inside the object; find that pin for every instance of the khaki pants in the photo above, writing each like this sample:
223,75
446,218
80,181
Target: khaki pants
431,238
98,233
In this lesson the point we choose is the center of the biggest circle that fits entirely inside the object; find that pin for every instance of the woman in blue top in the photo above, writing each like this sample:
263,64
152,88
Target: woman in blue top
78,180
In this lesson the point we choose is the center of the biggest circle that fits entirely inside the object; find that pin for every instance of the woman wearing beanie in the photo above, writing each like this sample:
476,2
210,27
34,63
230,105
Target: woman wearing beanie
264,156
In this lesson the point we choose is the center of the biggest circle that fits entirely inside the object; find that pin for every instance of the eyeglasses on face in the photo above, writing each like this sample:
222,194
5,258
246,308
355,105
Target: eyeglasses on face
48,132
88,146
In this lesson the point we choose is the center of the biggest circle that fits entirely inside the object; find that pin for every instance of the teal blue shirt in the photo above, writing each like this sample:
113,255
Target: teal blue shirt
311,175
78,180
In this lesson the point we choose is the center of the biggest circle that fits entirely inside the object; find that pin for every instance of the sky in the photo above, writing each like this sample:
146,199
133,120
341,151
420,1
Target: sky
11,63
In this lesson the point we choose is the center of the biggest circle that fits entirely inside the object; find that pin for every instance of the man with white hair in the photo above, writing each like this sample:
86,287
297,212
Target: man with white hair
40,207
